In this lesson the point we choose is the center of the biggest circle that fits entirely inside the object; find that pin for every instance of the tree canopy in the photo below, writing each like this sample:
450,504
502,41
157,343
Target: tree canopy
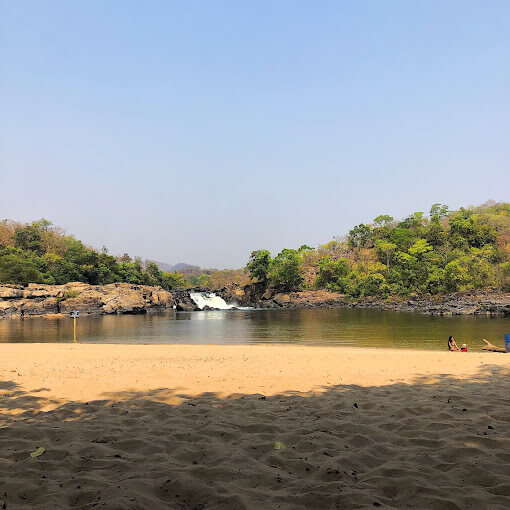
446,251
41,253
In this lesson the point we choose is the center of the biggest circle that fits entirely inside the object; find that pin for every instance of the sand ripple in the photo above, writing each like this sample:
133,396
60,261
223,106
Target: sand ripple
401,446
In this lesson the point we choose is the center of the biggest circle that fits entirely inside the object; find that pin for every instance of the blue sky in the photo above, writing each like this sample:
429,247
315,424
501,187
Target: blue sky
200,131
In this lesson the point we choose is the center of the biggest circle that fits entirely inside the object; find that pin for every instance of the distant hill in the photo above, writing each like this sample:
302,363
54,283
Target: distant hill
181,267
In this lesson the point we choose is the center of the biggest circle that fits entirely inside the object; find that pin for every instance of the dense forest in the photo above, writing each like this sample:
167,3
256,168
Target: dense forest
41,253
446,251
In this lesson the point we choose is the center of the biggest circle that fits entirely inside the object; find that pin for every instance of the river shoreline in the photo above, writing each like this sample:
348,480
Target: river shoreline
37,300
480,302
472,303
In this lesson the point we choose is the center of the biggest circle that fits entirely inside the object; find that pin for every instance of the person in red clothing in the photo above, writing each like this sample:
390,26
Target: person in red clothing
464,348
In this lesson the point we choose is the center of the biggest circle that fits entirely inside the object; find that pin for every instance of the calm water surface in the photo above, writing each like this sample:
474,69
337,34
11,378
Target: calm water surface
352,327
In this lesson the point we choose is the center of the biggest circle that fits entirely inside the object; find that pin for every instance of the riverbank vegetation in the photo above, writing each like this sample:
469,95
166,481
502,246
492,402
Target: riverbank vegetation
39,252
424,254
444,251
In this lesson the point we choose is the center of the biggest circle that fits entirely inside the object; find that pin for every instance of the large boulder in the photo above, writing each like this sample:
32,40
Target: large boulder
183,301
10,292
37,306
7,308
125,300
186,306
160,297
281,299
86,301
118,298
40,293
245,295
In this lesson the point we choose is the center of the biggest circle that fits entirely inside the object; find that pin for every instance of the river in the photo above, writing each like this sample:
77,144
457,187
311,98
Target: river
350,327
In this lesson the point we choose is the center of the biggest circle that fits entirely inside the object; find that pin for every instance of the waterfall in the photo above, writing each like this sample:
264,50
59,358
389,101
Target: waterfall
209,299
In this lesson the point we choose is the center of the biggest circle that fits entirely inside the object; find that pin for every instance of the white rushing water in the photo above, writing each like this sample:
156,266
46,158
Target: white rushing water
210,299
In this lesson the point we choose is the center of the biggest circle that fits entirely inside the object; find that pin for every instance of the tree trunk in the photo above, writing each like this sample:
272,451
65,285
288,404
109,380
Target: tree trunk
491,347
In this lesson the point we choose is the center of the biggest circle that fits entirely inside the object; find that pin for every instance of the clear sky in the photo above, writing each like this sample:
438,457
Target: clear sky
200,131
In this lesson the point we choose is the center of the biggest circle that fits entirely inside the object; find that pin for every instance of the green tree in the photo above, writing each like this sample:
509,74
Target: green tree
467,230
360,236
402,237
28,238
130,273
202,281
504,270
174,280
385,250
77,253
419,248
456,276
383,220
413,222
410,273
286,273
14,268
435,234
259,265
438,212
330,271
43,224
153,273
62,270
435,282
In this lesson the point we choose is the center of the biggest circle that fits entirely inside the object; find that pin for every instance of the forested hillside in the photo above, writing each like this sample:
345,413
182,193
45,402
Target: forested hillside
41,253
444,251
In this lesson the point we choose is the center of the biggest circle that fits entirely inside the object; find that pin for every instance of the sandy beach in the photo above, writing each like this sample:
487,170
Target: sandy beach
146,426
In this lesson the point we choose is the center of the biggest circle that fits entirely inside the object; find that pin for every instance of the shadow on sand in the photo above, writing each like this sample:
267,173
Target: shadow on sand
437,443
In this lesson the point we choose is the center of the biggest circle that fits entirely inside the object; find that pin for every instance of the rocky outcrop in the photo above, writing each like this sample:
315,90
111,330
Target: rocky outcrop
258,295
487,302
123,298
475,302
244,295
183,301
304,299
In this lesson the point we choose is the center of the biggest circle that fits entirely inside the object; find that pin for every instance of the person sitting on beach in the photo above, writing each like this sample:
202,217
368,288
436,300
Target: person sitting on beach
452,345
464,348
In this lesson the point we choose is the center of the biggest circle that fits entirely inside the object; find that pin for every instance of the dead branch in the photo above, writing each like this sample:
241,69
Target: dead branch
492,347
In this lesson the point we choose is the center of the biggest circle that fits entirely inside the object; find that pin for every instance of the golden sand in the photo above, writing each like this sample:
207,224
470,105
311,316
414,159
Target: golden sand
146,426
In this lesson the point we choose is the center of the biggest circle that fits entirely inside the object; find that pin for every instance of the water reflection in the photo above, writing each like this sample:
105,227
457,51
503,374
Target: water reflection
359,327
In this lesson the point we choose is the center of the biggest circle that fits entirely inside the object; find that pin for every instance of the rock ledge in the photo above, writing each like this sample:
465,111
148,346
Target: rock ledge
122,298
